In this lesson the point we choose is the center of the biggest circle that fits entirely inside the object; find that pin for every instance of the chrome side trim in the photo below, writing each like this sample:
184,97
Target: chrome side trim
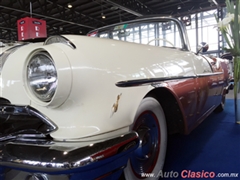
59,39
150,81
154,81
64,156
209,74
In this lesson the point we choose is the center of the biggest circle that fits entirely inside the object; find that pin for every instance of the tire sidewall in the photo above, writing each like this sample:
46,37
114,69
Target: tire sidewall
151,104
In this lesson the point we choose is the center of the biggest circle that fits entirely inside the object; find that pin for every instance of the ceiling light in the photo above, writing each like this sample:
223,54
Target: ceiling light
179,7
103,16
69,6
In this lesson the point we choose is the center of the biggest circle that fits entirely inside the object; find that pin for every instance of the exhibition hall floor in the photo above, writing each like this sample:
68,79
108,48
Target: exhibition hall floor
212,149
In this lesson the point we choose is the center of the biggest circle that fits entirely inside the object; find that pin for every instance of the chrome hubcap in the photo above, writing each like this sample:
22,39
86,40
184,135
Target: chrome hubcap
145,157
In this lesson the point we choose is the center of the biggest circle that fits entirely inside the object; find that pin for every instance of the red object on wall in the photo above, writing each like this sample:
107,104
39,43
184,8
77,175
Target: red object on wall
31,28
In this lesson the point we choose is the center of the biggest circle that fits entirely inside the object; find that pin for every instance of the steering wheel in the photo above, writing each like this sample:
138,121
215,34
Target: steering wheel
161,40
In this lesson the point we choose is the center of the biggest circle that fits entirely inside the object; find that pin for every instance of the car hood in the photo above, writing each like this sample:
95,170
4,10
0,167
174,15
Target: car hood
86,96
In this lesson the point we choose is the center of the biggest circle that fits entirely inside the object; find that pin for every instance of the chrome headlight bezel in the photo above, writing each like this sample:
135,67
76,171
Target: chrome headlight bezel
41,76
62,64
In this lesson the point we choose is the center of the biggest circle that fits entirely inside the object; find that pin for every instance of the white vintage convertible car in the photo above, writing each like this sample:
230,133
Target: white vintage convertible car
80,107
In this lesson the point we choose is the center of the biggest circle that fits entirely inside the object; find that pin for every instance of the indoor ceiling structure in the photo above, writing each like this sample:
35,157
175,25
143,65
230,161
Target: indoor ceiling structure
81,16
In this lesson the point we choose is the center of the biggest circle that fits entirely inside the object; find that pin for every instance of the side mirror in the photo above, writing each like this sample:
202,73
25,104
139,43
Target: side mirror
203,47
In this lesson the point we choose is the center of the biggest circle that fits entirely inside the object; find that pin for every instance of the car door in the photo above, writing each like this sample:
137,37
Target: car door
220,77
207,87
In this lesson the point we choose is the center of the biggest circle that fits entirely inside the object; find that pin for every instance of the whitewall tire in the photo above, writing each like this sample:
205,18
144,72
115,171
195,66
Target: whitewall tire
150,123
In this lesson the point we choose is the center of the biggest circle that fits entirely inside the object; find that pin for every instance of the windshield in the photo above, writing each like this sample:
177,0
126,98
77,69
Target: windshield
160,32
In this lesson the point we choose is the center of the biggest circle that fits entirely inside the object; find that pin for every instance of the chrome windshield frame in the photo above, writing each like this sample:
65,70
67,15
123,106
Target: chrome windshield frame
182,28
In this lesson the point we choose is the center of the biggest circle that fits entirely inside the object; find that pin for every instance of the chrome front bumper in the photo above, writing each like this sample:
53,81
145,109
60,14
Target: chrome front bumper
55,158
41,157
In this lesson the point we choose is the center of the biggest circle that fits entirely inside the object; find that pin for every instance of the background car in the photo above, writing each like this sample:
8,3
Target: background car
76,104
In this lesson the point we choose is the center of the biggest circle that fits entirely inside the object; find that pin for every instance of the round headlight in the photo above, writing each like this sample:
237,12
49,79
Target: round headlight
42,76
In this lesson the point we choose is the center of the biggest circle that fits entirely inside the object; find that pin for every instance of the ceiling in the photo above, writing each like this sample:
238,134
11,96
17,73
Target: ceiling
87,15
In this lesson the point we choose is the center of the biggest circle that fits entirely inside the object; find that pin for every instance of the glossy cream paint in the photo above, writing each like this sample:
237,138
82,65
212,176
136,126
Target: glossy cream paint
83,105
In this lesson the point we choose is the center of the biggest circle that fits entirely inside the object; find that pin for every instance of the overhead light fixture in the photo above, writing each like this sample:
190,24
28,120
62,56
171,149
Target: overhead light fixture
103,16
69,5
179,7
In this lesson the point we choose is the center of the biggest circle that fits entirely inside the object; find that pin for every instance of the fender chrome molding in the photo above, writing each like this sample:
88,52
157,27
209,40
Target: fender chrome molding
149,81
154,81
209,74
64,156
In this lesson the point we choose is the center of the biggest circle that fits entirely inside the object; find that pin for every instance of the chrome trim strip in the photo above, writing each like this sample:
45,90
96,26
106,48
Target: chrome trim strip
149,81
64,156
59,39
25,137
209,74
154,81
